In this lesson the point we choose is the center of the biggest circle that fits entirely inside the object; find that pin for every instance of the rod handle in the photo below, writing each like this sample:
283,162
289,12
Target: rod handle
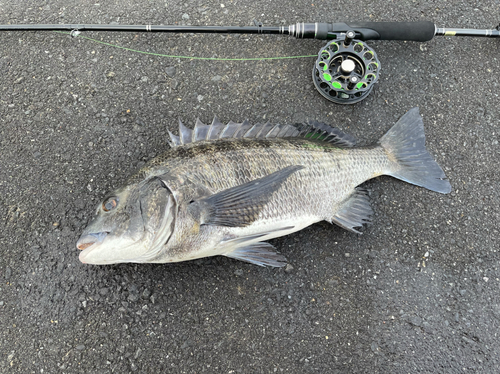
421,31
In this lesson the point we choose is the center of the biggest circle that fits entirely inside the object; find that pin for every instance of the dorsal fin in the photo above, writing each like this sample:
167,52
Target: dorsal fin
175,140
242,130
273,133
264,130
185,133
252,131
200,131
217,130
324,132
230,130
288,131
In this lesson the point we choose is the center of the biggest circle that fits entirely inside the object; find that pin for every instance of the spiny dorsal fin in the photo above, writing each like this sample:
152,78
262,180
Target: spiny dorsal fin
200,131
273,133
230,130
264,130
174,140
217,130
185,133
243,129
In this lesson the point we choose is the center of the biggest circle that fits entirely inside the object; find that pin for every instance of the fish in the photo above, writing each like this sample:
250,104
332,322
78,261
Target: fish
227,189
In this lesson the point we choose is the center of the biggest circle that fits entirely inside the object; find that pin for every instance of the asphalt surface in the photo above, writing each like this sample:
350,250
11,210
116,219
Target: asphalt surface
417,292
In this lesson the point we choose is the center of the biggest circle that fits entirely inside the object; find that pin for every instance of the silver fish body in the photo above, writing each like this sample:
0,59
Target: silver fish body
225,190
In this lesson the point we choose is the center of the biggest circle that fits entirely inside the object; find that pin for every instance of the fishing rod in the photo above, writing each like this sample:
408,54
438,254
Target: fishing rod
346,68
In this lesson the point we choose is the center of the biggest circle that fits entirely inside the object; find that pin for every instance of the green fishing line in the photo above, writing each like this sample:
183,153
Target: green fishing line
186,57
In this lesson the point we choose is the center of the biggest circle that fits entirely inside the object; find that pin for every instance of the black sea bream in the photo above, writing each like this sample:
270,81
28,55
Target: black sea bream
226,189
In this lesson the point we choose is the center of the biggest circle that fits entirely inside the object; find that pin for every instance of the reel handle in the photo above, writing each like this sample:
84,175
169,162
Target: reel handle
421,31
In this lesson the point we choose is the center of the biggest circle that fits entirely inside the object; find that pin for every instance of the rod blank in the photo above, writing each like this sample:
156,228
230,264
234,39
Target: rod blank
467,32
416,31
143,28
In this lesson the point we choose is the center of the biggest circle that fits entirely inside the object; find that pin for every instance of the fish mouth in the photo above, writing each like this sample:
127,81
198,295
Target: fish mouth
96,250
89,242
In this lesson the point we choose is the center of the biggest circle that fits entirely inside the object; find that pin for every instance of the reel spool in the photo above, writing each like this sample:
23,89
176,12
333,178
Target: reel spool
346,70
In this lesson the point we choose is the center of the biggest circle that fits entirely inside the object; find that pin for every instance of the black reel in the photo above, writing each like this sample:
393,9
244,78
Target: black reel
346,70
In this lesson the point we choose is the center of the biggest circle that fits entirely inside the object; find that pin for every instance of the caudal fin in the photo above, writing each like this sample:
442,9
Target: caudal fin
405,145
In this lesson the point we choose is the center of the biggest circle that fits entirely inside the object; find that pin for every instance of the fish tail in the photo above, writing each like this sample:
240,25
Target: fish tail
411,162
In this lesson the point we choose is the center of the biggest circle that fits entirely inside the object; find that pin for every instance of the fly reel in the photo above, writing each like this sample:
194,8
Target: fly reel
346,70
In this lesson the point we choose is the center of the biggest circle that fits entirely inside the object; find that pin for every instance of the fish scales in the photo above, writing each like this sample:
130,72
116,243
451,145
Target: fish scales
226,196
309,191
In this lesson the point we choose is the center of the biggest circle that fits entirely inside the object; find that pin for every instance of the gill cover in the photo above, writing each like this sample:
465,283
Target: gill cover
159,213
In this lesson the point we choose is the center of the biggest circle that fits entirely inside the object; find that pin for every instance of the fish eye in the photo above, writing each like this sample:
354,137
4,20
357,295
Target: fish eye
109,204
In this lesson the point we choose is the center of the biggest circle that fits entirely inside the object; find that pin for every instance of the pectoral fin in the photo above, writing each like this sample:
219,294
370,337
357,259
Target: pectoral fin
262,254
239,206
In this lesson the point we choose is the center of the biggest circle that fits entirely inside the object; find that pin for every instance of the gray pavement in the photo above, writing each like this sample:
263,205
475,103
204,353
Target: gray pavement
417,292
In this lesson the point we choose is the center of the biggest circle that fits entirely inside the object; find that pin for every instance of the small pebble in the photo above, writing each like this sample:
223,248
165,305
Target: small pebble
170,71
416,321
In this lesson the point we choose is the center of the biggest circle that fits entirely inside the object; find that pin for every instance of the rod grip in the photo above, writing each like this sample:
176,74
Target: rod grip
421,31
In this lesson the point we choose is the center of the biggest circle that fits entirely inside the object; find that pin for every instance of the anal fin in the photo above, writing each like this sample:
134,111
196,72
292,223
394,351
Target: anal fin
260,253
354,212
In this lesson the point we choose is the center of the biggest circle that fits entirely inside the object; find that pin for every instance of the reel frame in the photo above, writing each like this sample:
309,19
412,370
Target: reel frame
346,70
